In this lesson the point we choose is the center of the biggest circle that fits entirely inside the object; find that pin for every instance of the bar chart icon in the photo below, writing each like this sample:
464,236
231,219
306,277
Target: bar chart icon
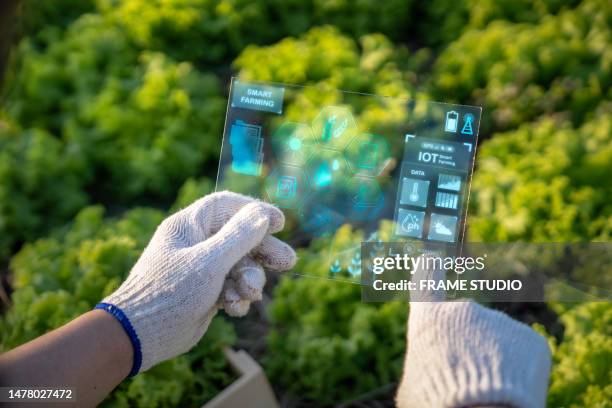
447,200
449,182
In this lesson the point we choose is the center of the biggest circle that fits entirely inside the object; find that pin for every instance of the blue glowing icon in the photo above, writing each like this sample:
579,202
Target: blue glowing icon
331,130
335,165
355,267
340,129
295,144
410,223
327,128
291,143
447,200
287,187
368,152
449,182
322,176
334,127
414,192
468,120
365,198
335,267
247,148
324,173
443,227
452,119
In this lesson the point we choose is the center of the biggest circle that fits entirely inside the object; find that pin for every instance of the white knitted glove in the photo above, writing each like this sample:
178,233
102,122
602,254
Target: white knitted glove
205,257
461,354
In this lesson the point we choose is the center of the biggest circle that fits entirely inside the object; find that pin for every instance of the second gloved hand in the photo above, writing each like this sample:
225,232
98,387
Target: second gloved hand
207,256
462,354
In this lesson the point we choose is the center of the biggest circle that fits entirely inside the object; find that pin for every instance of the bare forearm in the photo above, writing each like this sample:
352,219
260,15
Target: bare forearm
91,354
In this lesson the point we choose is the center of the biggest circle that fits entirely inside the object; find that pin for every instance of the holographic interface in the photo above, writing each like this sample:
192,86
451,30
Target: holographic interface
391,169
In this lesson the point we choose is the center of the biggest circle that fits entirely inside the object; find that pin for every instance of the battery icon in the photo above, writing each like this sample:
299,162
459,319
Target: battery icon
452,119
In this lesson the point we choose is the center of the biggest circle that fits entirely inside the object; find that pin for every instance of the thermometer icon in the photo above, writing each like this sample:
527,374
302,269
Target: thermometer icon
414,194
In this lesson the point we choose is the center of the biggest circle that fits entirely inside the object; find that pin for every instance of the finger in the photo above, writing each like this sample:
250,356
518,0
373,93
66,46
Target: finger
250,279
215,210
210,213
231,301
243,232
427,276
275,255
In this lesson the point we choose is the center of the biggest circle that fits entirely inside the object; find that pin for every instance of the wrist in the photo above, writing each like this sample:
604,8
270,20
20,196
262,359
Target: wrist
122,337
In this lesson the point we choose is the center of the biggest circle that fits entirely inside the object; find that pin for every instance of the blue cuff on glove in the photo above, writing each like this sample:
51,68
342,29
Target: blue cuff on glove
129,329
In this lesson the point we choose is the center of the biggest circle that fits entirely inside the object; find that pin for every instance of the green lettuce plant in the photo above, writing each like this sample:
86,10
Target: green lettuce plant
445,20
520,72
37,17
372,65
142,121
581,374
41,182
207,31
545,182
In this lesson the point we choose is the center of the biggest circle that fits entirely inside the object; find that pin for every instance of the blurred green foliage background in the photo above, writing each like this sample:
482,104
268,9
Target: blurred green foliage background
112,115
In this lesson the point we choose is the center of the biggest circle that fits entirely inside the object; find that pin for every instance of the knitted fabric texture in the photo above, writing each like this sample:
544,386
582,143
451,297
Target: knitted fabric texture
463,354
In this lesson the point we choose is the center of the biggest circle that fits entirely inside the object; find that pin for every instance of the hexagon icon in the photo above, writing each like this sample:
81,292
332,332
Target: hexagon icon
286,186
334,127
292,143
321,214
326,169
365,197
367,154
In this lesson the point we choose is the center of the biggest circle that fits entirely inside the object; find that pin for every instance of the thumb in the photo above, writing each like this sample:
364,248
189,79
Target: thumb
243,232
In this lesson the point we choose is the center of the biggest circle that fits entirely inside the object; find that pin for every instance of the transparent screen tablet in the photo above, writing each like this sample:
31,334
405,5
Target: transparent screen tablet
349,167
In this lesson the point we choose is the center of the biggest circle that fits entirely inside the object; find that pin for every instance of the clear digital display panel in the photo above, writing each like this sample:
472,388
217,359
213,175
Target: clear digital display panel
390,168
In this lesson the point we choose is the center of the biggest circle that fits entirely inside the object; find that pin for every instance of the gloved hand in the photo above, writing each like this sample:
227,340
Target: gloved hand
461,354
207,256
